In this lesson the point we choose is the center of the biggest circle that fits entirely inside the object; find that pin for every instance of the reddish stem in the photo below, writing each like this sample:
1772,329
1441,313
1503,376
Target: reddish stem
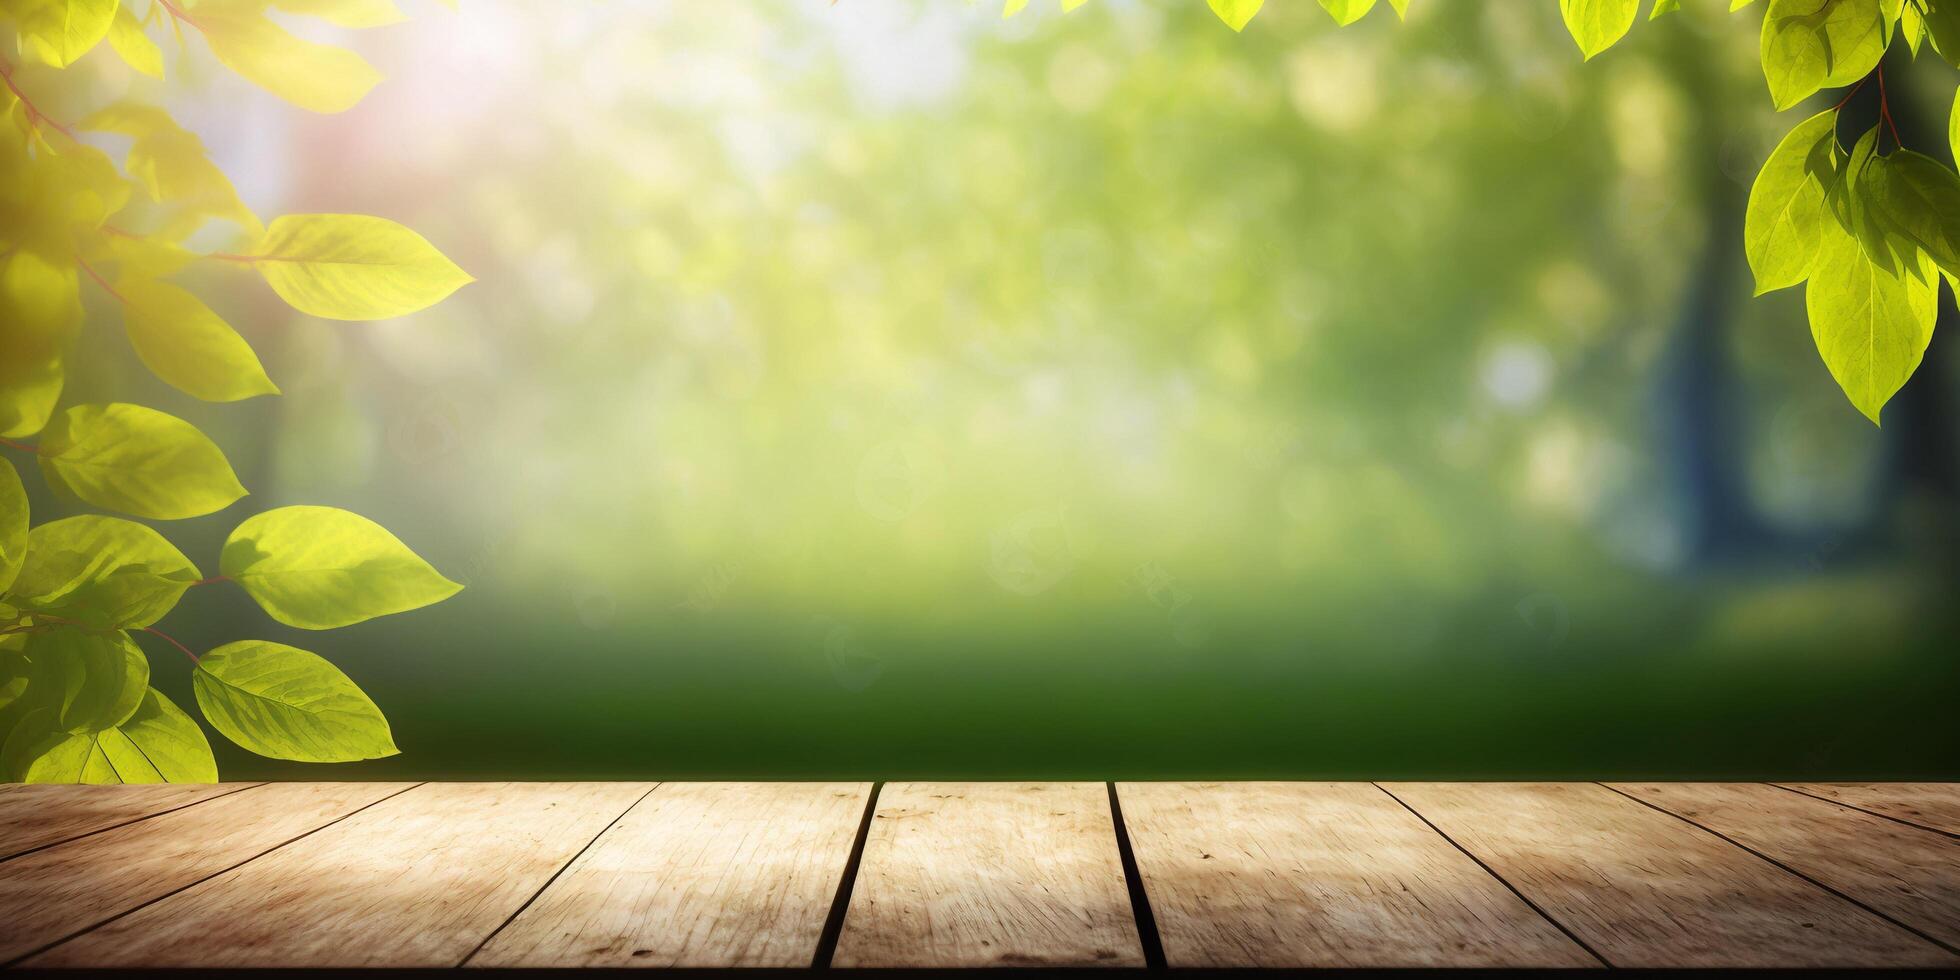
1855,89
1885,110
104,283
211,581
153,631
34,115
22,446
177,13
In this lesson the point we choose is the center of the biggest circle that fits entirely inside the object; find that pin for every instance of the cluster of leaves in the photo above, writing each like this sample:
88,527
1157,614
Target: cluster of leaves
1870,226
75,700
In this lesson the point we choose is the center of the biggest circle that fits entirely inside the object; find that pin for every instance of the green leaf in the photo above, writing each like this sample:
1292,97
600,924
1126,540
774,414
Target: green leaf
13,525
1598,24
1236,13
188,345
164,739
1953,126
137,460
103,571
319,568
1401,8
1786,204
1348,11
286,703
1943,29
158,743
353,266
1912,26
88,681
1915,203
1809,45
61,31
1663,7
1871,325
41,305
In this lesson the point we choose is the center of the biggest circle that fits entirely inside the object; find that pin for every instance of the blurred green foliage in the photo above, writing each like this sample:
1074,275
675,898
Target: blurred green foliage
890,389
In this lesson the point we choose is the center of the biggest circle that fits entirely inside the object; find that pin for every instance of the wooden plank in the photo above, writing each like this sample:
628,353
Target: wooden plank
59,891
1932,805
1910,874
418,879
990,874
1644,889
1321,875
696,875
36,816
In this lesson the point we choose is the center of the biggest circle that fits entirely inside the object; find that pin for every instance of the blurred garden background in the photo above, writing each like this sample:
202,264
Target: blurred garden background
887,389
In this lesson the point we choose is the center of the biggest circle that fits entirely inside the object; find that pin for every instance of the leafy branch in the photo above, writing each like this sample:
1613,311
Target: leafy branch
75,700
1869,233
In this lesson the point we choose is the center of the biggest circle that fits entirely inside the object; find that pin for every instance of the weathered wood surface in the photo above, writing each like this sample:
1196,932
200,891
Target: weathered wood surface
973,874
58,891
419,879
697,875
1907,873
1935,806
36,816
990,874
1321,874
1643,888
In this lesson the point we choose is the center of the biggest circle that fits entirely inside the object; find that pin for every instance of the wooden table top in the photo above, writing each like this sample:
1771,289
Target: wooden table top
942,874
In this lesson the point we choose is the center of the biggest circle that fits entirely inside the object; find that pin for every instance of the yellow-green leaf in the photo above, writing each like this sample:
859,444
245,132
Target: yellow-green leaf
1786,204
103,571
1809,45
138,461
353,266
187,344
158,744
89,681
1953,127
285,703
1236,13
319,568
133,46
172,164
1597,24
1663,7
318,77
1871,325
1401,8
13,526
1914,201
40,305
346,13
1347,11
61,31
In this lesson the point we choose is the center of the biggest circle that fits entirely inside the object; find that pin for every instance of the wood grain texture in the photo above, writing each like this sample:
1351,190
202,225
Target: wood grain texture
1321,875
36,816
990,874
1642,888
696,875
1932,805
56,892
419,879
1910,874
